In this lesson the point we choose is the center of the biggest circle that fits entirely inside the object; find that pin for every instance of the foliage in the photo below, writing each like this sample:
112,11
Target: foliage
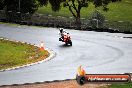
75,6
1,4
117,11
23,6
56,4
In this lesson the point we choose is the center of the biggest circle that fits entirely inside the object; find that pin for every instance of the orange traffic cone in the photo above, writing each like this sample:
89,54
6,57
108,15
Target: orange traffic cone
42,46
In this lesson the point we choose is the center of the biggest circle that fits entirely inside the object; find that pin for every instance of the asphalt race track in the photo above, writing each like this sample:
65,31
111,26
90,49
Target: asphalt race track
97,52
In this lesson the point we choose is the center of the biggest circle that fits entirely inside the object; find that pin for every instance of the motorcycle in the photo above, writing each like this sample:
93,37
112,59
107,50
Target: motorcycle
65,37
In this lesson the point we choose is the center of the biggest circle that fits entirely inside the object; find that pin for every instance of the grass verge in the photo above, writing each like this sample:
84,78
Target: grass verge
125,85
14,54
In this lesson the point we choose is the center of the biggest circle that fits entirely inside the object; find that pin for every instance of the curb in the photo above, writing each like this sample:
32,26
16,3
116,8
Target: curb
52,55
37,82
128,37
120,37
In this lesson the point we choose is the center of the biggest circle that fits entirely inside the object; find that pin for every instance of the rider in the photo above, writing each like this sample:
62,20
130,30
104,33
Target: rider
61,31
64,35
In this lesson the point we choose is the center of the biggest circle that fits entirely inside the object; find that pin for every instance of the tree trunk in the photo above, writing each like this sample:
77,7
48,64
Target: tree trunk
78,21
76,14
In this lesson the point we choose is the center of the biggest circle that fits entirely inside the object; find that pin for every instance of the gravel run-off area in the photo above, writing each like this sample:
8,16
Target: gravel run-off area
62,84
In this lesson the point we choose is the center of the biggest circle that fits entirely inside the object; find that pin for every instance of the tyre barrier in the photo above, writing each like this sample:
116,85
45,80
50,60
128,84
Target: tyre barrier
48,24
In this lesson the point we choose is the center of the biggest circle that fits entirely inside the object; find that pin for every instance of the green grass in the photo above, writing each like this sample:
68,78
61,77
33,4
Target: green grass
126,85
14,54
117,11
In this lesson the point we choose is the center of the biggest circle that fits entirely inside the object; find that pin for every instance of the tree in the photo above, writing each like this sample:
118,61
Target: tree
17,10
56,4
1,4
23,6
75,6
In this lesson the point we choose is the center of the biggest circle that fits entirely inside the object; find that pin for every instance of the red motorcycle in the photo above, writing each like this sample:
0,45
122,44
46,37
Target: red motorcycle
65,37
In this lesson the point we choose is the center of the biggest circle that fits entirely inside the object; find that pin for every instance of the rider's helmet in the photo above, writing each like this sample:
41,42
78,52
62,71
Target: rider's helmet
61,30
68,35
